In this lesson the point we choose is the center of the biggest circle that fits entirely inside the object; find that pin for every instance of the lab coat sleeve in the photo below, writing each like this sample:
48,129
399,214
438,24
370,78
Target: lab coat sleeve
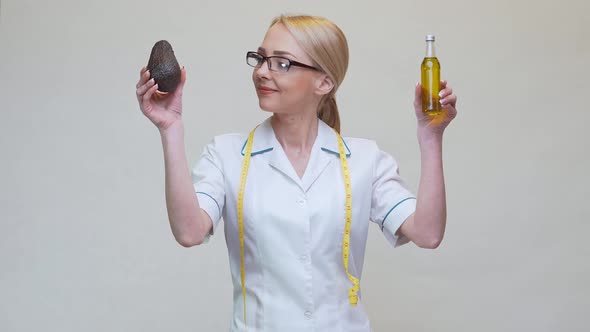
208,181
391,202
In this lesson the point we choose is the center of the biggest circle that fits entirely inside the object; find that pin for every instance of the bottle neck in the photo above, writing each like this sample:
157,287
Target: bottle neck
430,53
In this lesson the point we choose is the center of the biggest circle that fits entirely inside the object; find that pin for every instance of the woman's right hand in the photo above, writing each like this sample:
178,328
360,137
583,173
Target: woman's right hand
162,109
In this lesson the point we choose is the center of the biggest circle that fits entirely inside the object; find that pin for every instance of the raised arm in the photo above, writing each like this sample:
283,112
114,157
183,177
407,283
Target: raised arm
189,223
426,227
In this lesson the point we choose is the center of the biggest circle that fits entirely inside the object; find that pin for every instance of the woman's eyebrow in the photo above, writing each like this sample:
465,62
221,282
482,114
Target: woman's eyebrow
284,53
263,50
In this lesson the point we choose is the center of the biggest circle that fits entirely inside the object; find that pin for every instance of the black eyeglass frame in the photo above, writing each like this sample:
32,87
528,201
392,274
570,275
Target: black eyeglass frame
289,61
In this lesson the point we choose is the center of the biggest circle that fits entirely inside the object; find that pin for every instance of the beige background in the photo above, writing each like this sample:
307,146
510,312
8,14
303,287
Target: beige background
85,243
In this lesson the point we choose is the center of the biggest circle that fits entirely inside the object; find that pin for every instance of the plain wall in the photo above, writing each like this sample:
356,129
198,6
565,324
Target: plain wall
85,243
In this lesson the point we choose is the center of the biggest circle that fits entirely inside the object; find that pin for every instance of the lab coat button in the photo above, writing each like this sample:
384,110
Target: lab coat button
308,314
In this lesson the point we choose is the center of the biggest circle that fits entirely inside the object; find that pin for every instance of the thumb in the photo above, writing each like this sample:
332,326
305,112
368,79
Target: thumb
418,96
180,86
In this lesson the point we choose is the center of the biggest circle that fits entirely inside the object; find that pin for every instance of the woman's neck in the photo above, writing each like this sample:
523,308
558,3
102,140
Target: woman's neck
295,132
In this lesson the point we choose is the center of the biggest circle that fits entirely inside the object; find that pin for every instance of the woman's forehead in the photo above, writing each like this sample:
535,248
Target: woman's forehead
279,41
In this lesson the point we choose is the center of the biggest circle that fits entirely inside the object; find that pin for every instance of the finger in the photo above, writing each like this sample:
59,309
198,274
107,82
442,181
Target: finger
180,87
443,84
149,93
142,89
144,77
450,100
445,92
141,71
451,111
418,95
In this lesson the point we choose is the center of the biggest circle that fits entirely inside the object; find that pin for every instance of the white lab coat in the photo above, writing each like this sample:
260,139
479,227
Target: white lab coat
295,277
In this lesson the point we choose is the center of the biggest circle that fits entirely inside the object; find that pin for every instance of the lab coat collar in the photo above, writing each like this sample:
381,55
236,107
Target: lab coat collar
325,150
265,139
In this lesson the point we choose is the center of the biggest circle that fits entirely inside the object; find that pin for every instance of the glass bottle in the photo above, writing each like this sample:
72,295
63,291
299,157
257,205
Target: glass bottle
430,81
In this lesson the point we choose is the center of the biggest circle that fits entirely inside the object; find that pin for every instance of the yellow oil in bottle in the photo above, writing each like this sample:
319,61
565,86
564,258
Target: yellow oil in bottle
430,81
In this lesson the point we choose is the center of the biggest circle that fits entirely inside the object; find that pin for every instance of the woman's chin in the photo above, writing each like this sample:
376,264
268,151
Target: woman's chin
266,107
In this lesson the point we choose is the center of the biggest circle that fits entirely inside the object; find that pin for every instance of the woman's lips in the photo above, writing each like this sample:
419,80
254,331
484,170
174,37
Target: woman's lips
265,91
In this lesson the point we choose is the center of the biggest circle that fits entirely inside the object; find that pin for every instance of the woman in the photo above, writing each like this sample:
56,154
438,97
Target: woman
295,197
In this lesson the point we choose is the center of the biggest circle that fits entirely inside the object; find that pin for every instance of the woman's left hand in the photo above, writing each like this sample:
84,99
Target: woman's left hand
436,124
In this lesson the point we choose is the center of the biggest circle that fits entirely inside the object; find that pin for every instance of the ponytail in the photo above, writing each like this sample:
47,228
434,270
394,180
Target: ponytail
328,112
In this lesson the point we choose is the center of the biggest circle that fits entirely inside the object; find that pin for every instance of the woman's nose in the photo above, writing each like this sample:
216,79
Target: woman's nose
262,71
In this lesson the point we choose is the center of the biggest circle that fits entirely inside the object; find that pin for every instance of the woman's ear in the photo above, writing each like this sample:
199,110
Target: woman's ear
324,85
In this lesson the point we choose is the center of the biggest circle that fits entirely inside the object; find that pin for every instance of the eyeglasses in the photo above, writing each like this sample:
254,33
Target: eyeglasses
275,63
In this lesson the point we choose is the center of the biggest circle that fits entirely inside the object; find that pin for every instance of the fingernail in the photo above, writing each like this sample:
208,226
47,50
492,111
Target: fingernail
440,94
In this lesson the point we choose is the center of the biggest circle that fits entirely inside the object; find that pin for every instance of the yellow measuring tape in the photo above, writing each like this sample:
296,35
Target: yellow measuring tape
352,293
245,166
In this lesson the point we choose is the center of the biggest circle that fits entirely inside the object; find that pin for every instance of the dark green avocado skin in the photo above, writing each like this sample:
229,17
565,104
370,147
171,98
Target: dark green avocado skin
164,67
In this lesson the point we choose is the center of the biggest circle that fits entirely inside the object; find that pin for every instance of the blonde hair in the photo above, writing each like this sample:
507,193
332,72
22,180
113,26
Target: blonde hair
326,45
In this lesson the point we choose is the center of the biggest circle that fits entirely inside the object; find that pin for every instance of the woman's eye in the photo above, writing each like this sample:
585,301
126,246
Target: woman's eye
283,63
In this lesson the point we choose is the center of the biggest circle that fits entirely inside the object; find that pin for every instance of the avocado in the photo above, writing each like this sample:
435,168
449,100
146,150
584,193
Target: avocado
164,67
